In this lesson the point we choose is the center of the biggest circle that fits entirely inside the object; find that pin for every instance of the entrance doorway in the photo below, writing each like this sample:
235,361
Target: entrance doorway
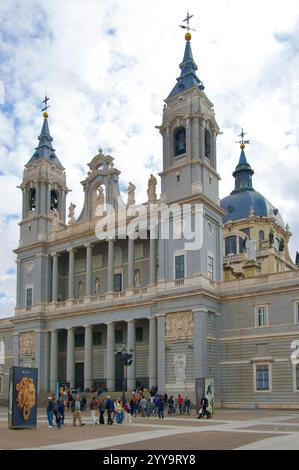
120,381
79,376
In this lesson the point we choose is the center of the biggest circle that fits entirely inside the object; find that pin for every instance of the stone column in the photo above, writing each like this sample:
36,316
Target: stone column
200,342
213,153
71,284
202,138
152,260
110,357
63,207
168,148
55,277
195,139
25,203
161,352
88,357
130,263
188,138
42,359
163,268
53,360
70,356
131,348
16,349
37,197
110,264
152,357
19,284
88,269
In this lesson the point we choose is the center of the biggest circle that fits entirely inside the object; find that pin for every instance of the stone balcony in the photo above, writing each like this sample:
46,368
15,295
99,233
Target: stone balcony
128,296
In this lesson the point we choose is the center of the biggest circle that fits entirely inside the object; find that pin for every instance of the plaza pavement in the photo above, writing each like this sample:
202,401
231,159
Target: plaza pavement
229,429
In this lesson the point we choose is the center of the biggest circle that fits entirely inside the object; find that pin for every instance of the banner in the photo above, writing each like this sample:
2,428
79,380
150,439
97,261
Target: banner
22,407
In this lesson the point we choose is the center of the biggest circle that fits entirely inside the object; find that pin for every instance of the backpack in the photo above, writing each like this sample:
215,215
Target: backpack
206,402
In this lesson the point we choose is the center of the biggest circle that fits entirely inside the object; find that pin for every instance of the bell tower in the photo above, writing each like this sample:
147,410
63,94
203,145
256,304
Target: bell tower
189,177
189,131
44,190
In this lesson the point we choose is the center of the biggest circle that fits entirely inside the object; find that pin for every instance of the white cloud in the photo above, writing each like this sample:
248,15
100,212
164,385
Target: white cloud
107,90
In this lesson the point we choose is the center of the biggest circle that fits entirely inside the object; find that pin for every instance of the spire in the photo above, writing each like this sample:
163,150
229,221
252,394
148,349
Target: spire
45,148
243,172
188,78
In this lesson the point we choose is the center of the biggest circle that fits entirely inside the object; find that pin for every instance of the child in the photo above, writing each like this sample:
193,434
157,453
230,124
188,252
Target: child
128,417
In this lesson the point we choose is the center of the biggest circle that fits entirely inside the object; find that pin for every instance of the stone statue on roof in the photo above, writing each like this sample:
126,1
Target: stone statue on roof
131,194
71,214
151,190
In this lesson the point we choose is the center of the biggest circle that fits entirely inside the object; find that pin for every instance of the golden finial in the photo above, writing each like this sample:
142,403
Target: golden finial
45,101
187,19
242,142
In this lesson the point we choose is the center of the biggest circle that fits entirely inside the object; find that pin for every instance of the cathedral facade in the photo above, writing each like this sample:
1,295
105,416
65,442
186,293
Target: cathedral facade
226,308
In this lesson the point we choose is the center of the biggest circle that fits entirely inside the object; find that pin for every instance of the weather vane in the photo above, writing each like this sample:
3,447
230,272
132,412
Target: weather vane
242,142
187,20
46,106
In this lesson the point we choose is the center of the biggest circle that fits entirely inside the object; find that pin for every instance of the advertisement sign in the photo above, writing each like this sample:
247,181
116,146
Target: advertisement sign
22,407
209,393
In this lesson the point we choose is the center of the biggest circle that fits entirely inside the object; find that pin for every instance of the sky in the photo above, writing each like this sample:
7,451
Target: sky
107,66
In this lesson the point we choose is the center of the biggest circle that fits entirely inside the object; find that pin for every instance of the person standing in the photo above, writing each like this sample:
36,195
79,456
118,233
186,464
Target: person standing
187,405
143,405
180,403
93,406
128,417
160,406
110,409
171,406
102,408
50,413
61,409
119,411
83,404
58,418
76,410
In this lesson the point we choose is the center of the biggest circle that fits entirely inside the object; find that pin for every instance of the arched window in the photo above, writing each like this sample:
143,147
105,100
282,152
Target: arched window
32,200
261,235
231,245
179,141
54,200
207,143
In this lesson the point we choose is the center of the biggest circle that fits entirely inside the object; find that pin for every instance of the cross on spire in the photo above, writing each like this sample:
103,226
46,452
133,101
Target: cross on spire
45,101
242,142
187,20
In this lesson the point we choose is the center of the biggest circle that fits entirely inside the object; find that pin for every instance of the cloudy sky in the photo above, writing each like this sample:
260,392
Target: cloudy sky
107,66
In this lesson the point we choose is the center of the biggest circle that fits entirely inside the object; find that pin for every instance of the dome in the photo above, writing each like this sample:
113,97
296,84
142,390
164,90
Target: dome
239,205
244,200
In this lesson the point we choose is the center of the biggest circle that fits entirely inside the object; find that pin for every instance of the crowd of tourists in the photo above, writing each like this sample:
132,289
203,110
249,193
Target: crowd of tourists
104,410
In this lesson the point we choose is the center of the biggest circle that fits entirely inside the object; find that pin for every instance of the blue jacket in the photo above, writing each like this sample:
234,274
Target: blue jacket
110,404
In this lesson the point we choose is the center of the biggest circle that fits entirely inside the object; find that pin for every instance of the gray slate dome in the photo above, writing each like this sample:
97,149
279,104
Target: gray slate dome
244,199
